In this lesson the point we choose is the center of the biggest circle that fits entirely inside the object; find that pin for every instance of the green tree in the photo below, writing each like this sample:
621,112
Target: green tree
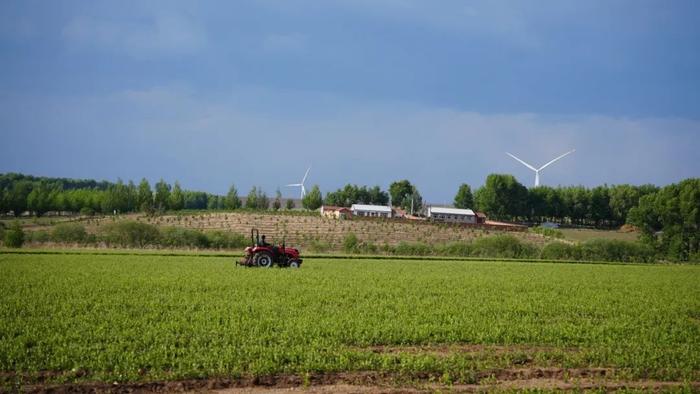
277,203
38,199
399,190
502,197
670,220
290,204
162,197
177,198
17,197
464,198
144,198
313,199
232,200
251,201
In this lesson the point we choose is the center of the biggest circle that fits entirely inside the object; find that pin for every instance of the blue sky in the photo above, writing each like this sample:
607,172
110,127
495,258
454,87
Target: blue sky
251,92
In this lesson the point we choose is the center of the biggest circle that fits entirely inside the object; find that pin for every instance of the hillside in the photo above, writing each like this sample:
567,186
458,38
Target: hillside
304,230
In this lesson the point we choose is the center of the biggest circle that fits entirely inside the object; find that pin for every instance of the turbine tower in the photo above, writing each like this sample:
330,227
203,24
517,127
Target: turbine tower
537,170
301,184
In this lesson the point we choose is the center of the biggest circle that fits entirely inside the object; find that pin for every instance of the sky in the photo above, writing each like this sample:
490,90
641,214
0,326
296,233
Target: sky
251,93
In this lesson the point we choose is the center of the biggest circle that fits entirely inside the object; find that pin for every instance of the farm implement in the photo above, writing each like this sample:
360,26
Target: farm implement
262,254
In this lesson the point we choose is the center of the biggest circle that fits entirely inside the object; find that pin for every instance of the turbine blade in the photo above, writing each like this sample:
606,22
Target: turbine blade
294,184
525,164
567,153
306,174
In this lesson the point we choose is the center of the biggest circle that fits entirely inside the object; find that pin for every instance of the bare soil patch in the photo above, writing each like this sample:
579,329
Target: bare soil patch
375,382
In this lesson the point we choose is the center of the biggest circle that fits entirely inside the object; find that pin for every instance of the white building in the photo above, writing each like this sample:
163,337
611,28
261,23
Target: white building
453,215
377,211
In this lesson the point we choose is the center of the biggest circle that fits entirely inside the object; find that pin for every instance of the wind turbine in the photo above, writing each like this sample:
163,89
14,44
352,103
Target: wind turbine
303,189
537,170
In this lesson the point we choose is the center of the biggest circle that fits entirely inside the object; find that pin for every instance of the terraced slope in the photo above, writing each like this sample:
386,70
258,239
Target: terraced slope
305,230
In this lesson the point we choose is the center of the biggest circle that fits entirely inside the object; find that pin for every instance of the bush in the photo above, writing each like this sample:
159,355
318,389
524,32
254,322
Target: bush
319,246
413,249
182,237
87,211
130,234
68,233
39,236
600,250
350,243
226,240
456,249
560,251
14,236
503,246
616,250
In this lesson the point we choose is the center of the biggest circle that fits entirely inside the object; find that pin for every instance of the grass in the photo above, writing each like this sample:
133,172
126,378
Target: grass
140,318
582,235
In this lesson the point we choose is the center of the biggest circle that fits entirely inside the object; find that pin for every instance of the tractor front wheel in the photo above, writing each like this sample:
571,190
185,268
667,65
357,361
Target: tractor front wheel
294,264
263,259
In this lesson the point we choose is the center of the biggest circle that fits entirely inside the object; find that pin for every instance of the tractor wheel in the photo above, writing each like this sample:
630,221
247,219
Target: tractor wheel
263,259
294,264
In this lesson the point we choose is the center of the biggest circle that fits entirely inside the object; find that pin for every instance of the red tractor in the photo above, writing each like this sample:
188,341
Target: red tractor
262,254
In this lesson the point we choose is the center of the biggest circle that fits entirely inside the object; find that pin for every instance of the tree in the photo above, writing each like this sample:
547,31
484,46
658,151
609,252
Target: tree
177,198
232,200
502,197
262,201
670,220
144,196
600,211
131,197
290,204
405,195
38,199
277,203
162,197
17,197
251,201
399,190
464,198
313,199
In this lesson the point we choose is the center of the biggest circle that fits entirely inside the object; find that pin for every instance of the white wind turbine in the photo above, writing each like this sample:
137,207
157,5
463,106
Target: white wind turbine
537,170
303,189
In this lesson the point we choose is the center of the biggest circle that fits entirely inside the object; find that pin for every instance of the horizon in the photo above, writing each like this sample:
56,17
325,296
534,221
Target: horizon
252,93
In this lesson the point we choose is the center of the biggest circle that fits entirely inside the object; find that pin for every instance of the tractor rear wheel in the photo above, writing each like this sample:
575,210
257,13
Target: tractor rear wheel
263,259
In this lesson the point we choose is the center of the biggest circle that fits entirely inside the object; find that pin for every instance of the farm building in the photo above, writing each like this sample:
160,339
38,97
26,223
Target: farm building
330,211
380,211
480,217
453,215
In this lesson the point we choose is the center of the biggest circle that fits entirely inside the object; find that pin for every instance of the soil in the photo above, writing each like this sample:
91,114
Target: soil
374,382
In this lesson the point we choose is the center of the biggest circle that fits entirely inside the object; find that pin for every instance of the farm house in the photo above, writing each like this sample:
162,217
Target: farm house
452,215
380,211
330,211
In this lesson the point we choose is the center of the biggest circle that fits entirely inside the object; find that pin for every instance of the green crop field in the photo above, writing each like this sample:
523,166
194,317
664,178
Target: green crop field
115,318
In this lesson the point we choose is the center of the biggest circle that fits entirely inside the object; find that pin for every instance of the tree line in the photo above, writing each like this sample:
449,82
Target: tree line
502,197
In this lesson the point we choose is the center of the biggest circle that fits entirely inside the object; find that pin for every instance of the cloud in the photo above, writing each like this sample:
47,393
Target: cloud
160,34
207,142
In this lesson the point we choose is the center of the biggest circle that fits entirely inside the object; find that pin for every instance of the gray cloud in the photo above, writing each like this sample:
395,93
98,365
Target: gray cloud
209,143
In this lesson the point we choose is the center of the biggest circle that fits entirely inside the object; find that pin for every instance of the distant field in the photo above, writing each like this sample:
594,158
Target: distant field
73,319
582,235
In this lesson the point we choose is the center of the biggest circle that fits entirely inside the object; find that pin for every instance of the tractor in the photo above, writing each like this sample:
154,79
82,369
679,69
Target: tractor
262,254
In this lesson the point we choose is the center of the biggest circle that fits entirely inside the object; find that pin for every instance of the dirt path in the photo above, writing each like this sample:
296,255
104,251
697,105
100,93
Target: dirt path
375,382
